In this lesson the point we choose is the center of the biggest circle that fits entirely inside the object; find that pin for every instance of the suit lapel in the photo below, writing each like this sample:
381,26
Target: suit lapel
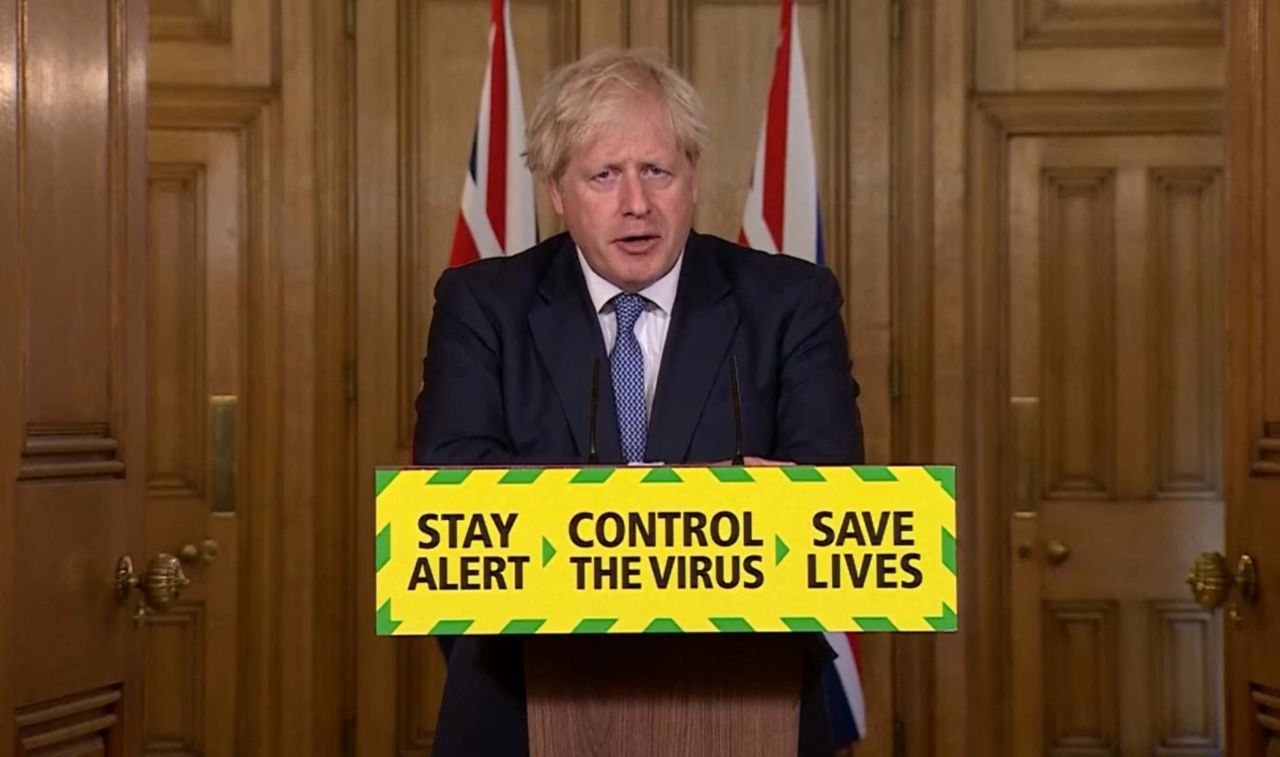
567,336
703,322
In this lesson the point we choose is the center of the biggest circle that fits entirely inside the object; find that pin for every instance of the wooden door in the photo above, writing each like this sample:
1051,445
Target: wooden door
72,373
1253,377
1115,347
197,434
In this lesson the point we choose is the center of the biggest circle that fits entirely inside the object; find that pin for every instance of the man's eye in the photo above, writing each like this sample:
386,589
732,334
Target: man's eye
602,175
655,171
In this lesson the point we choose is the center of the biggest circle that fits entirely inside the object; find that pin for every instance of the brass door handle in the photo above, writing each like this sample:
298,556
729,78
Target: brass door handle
160,586
1057,552
1211,581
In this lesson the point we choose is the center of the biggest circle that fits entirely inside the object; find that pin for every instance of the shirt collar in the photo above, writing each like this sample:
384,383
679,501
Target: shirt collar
662,293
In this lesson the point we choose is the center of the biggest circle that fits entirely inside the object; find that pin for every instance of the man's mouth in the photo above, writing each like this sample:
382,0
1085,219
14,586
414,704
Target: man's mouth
637,242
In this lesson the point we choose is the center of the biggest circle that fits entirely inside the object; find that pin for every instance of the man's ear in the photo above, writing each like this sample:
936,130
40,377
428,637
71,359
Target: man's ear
557,202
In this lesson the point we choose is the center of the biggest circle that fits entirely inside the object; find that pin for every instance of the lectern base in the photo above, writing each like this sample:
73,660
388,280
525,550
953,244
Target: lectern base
695,695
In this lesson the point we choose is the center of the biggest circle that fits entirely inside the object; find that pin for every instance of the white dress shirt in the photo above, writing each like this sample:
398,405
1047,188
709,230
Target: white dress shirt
651,326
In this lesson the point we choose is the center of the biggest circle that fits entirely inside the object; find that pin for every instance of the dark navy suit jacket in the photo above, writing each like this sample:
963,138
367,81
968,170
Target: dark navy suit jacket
507,381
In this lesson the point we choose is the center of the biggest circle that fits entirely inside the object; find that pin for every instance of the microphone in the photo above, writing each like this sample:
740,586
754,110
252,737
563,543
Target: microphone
735,393
593,457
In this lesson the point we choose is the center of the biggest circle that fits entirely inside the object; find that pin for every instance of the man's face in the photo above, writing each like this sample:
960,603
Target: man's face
627,196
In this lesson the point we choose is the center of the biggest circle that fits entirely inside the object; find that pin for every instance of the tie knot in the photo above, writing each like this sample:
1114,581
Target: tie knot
628,308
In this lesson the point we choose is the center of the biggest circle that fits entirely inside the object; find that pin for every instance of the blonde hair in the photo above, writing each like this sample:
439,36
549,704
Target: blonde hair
578,99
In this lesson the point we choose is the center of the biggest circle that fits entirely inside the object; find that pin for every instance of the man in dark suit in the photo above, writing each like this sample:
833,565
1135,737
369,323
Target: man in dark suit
661,309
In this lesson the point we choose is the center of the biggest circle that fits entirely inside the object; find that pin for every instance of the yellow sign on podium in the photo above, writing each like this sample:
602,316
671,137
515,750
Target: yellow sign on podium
668,549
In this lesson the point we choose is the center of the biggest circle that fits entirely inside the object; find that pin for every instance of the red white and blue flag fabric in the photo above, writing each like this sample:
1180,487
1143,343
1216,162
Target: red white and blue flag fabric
782,212
782,216
498,215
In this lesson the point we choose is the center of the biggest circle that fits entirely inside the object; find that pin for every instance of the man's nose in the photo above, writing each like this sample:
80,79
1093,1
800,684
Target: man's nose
634,195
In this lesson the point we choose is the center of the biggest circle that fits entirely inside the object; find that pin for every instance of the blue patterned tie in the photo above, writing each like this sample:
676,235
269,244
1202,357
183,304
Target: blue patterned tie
627,362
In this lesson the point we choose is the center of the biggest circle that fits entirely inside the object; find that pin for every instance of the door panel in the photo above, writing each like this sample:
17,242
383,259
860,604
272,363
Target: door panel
224,42
74,476
1115,349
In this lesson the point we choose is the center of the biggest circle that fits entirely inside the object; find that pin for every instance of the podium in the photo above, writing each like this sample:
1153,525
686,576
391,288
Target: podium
732,694
672,610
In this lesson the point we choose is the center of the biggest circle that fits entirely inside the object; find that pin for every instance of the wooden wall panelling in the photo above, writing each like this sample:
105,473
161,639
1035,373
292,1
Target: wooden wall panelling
913,234
214,42
378,430
312,39
606,23
1077,23
931,81
858,145
1046,45
191,20
337,524
933,373
652,25
641,24
858,148
297,597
